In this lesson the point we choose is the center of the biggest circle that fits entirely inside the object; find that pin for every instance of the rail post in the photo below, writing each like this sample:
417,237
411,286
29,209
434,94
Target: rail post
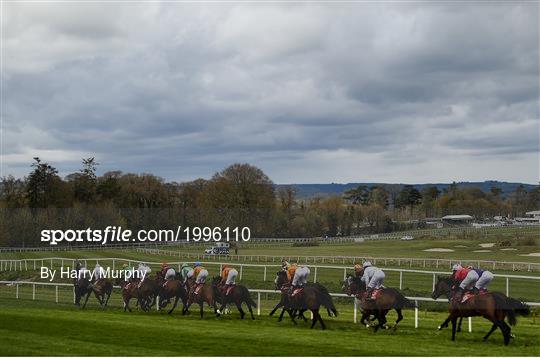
415,314
34,291
17,291
258,303
433,286
400,280
470,324
507,287
264,275
157,303
56,293
73,294
355,309
344,273
315,275
241,271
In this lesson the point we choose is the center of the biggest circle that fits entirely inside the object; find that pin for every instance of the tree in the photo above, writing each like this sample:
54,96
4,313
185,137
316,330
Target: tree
409,196
378,196
40,184
85,182
359,195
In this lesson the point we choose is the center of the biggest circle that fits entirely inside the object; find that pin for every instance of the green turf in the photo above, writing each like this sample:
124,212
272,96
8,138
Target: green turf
44,328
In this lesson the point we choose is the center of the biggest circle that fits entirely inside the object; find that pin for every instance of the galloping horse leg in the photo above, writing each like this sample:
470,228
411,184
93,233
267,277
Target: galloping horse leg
301,314
239,307
201,308
505,329
276,308
454,321
174,304
445,323
86,299
108,297
493,328
250,310
459,324
399,318
126,304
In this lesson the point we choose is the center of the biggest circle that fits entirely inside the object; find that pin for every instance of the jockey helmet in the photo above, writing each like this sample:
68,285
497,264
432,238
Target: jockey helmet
125,266
184,265
97,264
197,264
366,264
456,267
164,264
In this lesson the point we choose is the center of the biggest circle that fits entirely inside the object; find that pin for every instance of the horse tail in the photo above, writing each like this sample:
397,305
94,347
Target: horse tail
511,307
326,301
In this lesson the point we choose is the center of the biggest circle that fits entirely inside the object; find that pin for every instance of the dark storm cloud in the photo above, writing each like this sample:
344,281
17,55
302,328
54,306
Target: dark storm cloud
318,92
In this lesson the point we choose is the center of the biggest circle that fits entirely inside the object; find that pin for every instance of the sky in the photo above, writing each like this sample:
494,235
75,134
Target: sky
308,92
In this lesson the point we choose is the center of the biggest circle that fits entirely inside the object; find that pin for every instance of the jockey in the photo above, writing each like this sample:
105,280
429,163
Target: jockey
373,277
98,272
484,278
126,269
184,271
167,272
284,265
300,277
465,278
200,274
228,278
144,270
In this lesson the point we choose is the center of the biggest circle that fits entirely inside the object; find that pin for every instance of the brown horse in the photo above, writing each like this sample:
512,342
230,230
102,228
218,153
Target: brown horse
147,291
389,299
102,289
238,294
129,291
206,294
493,306
171,289
311,298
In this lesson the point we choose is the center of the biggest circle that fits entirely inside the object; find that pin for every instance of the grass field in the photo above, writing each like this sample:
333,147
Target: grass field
44,328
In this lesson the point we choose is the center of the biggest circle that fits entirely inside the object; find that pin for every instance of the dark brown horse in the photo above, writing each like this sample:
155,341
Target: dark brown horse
389,299
311,298
493,306
147,291
102,289
129,291
206,294
238,294
171,289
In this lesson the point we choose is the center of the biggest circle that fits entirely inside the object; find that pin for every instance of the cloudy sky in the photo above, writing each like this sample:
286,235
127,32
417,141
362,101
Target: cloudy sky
320,92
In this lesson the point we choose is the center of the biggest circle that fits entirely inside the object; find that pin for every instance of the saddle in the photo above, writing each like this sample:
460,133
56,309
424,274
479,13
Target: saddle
226,289
296,291
468,295
375,294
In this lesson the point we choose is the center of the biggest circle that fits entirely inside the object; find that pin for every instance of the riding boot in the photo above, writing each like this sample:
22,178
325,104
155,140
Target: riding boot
369,292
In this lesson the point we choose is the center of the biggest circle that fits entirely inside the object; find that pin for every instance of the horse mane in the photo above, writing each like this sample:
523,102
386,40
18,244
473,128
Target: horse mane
446,279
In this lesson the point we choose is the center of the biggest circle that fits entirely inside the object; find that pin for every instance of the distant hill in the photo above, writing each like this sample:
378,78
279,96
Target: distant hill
313,190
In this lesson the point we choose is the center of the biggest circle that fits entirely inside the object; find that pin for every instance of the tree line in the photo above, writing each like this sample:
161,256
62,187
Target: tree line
239,195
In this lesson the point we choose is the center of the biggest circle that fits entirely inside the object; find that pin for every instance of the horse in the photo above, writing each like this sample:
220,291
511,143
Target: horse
389,299
206,294
129,291
170,289
238,294
312,298
494,306
147,291
102,289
